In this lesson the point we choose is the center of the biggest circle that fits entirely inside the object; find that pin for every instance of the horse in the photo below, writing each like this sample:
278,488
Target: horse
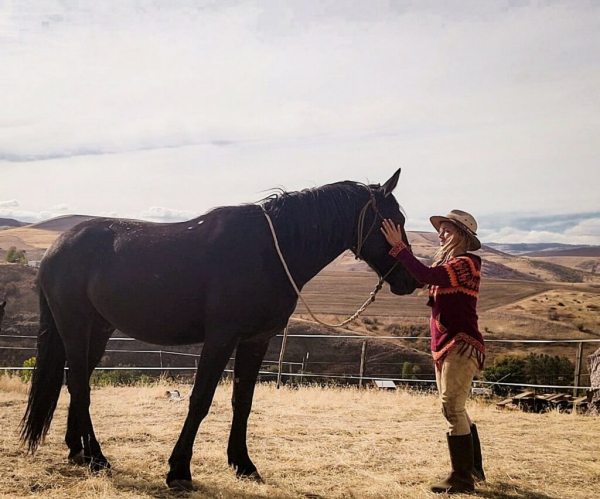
216,280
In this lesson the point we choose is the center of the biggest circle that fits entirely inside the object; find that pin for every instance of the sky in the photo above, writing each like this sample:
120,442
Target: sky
162,110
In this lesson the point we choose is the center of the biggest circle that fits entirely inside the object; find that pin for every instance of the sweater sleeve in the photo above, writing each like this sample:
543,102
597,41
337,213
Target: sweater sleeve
438,276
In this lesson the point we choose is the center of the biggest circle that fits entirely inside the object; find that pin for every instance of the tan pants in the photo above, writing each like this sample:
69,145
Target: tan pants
454,385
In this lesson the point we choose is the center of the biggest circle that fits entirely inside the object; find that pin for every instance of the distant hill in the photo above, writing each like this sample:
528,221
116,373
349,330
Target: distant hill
586,251
11,222
525,249
36,238
62,224
497,264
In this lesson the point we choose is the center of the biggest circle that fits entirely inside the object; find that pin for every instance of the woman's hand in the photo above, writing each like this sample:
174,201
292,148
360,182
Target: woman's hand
392,233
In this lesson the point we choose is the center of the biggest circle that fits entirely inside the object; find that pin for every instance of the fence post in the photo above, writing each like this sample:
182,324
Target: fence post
578,365
363,355
304,364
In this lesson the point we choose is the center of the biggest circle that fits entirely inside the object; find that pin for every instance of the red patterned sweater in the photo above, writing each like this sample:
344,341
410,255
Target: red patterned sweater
453,293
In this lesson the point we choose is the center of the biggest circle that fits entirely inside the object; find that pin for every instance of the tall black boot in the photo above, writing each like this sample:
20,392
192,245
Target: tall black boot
461,457
478,473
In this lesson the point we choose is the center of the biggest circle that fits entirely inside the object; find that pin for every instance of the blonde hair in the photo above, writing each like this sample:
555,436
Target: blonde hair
459,240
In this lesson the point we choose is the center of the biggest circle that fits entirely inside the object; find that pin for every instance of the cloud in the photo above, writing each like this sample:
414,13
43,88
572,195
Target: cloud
163,77
578,228
556,222
161,214
10,209
12,203
190,105
109,214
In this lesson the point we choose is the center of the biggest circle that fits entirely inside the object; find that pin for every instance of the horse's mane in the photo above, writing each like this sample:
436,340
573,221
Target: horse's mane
311,201
332,196
327,209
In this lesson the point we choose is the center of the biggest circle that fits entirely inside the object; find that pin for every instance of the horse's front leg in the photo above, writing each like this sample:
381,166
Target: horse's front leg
216,352
248,359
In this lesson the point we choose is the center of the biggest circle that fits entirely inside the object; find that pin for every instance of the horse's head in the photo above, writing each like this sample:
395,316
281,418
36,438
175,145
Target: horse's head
372,246
2,306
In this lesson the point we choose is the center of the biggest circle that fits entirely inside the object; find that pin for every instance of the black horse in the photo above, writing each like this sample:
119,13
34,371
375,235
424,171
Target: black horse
216,279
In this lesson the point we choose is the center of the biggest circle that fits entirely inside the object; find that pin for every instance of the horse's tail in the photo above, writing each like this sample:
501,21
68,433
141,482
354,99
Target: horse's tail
47,380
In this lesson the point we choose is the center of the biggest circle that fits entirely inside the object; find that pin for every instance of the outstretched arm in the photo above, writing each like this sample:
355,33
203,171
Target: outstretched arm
437,276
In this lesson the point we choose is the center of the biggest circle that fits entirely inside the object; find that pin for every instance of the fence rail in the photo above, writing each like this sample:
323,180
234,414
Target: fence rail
360,378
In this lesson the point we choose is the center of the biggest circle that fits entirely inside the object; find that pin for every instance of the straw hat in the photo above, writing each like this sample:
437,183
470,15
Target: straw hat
463,220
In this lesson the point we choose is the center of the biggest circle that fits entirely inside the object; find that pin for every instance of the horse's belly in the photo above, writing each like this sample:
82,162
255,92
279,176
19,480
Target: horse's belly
161,333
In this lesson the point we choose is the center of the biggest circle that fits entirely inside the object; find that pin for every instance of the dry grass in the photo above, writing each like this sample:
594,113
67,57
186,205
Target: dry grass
309,442
10,383
338,293
575,308
585,263
26,238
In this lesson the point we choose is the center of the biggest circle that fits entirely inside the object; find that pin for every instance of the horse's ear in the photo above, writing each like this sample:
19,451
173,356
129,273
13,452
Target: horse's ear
391,184
3,304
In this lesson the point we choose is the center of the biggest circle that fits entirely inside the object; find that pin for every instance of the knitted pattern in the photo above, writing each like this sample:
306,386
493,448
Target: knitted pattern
464,278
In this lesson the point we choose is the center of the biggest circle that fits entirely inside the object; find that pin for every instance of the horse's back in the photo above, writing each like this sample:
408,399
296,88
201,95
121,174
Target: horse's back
163,282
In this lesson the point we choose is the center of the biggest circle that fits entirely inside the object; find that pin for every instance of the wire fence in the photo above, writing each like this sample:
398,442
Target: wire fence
298,371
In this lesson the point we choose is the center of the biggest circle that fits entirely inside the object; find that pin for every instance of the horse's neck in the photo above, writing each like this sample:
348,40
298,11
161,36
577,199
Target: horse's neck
313,244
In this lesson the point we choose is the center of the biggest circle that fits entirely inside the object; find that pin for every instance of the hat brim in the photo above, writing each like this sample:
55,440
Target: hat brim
474,242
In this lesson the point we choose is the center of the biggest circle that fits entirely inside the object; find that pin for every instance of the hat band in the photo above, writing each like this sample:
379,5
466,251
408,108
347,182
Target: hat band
463,226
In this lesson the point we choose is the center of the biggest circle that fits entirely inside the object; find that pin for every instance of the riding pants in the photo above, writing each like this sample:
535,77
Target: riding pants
454,384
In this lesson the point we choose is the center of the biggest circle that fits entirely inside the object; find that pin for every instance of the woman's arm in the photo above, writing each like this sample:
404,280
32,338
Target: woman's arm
438,276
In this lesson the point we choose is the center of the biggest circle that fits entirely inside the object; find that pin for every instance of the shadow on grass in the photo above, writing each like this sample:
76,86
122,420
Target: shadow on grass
503,490
201,490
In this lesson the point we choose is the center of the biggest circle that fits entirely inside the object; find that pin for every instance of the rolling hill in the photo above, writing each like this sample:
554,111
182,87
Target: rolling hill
523,249
543,267
7,223
61,224
586,259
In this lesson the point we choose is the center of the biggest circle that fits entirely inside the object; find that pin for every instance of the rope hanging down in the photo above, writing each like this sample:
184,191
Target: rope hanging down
353,317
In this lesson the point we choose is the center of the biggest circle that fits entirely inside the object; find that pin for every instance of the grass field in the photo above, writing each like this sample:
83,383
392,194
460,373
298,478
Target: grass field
307,443
342,293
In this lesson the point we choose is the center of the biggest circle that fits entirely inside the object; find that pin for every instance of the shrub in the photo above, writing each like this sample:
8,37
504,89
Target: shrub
28,373
394,329
119,377
538,369
407,371
15,256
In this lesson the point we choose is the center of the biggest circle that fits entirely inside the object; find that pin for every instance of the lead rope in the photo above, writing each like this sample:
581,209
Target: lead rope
353,317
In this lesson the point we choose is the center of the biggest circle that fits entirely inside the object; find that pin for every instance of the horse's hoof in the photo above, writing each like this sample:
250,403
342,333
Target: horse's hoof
183,485
78,458
249,474
245,471
253,477
100,465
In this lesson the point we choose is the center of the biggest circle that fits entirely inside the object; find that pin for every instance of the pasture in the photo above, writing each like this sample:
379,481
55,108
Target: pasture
310,442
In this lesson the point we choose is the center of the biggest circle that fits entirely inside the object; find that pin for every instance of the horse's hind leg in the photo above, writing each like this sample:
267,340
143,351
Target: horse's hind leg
75,325
100,334
248,359
217,349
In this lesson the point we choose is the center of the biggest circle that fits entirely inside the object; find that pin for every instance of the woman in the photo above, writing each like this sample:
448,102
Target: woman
456,343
